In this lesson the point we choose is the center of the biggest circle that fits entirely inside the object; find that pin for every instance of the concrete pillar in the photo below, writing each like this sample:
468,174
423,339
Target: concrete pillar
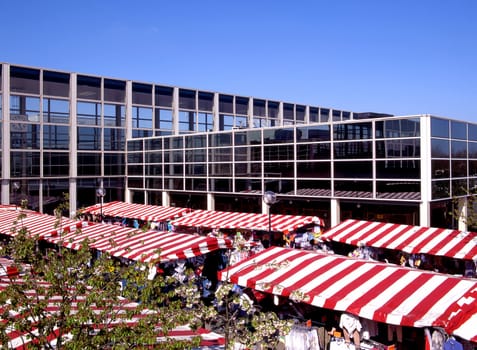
426,173
463,212
166,199
210,201
73,146
335,212
5,134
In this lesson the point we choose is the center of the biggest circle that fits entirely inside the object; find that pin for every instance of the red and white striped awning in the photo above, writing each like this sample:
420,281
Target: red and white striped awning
406,238
136,211
36,223
20,340
248,221
377,291
141,245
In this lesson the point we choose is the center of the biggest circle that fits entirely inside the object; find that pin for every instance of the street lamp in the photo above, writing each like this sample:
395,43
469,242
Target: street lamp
100,192
269,198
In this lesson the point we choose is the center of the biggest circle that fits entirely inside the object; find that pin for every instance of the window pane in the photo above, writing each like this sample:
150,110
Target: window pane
24,80
458,130
56,137
56,84
163,96
142,94
56,164
359,169
439,127
89,164
89,87
402,169
23,164
440,168
187,99
89,138
313,170
439,148
89,113
459,149
23,135
56,111
114,90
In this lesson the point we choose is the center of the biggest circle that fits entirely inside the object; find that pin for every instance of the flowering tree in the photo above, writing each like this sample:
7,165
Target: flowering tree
62,300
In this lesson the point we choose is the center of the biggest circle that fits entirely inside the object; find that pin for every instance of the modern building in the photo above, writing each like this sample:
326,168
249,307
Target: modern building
71,133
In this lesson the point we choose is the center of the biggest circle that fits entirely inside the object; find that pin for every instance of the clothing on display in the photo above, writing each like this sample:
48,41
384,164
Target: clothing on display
302,338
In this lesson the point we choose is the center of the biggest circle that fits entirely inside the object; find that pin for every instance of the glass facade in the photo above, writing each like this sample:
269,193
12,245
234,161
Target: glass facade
63,132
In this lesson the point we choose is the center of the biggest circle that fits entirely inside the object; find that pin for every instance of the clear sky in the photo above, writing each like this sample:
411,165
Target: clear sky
393,56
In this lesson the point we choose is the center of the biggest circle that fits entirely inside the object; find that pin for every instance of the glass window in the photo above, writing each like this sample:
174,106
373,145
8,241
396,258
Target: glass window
285,135
24,80
458,130
134,182
241,105
88,87
220,169
196,156
440,168
398,190
398,148
220,139
56,164
142,117
114,90
362,170
114,164
336,115
273,109
89,138
220,185
114,139
141,94
56,111
174,169
459,187
472,149
154,144
24,164
196,184
300,113
398,169
226,122
56,137
279,152
89,164
187,121
278,169
205,122
135,145
187,99
23,135
314,115
314,188
253,137
361,189
313,151
135,158
472,132
439,127
206,101
89,113
439,148
220,154
196,141
241,122
313,170
395,128
288,111
356,150
440,189
56,84
248,169
226,104
355,131
248,154
163,96
459,168
114,115
259,109
346,115
163,119
313,133
247,185
154,170
137,133
154,157
459,149
472,167
25,108
324,115
174,184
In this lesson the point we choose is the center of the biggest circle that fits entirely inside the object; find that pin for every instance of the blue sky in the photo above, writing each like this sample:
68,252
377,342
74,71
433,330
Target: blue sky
400,57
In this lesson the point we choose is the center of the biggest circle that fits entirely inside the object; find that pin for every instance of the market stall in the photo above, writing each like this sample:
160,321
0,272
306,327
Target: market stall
376,291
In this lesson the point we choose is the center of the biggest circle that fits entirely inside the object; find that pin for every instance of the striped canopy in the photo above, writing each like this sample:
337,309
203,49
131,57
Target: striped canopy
406,238
141,245
36,223
377,291
20,340
249,221
136,211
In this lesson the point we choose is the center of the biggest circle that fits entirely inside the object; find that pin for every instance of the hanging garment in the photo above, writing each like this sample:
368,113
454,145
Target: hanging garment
452,344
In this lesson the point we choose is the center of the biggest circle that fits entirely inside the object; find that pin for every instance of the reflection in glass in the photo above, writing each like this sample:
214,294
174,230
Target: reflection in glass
440,189
458,130
313,170
362,170
459,168
459,149
440,168
357,150
439,127
439,148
